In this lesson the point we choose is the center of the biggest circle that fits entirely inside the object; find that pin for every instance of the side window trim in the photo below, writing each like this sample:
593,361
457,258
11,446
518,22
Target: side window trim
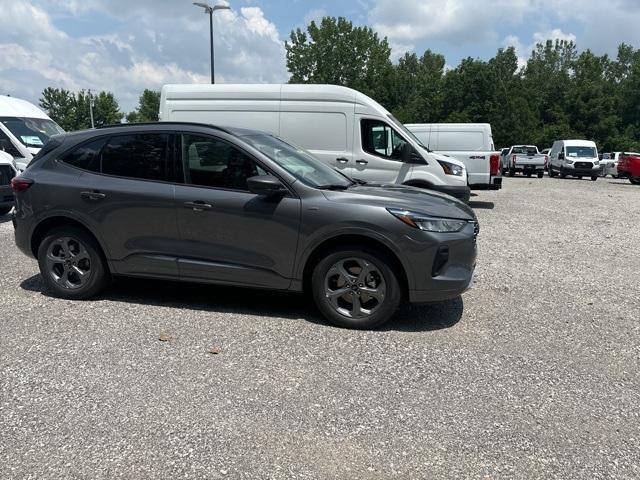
392,132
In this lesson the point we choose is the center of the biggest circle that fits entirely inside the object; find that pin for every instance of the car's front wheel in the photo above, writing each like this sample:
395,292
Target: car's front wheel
71,264
356,288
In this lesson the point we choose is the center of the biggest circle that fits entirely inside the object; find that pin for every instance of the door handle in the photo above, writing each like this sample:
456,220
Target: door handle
198,205
342,160
362,162
92,195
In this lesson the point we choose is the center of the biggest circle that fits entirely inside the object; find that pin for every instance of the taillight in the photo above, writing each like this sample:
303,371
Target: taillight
494,164
513,159
19,184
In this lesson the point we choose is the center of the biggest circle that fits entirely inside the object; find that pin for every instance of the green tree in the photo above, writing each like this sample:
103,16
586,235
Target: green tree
148,108
59,105
338,53
71,111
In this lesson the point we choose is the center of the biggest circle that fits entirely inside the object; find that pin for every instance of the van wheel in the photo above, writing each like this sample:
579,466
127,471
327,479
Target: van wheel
593,179
528,174
71,264
552,174
512,172
540,174
356,288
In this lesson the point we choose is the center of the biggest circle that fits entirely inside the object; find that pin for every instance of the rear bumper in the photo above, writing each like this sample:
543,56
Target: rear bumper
496,184
461,192
529,168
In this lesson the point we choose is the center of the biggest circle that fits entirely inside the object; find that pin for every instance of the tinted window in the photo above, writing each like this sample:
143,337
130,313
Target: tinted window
87,156
137,156
380,139
7,146
211,162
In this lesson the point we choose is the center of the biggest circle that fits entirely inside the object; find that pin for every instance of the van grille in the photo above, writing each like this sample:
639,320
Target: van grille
583,165
6,174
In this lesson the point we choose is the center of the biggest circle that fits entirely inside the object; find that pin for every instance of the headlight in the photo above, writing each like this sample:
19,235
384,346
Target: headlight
427,223
597,162
451,168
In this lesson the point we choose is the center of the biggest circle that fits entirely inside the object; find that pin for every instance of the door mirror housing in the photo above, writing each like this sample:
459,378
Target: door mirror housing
267,185
409,155
561,156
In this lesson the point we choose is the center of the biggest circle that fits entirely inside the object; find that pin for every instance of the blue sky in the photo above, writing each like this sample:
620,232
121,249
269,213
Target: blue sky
127,45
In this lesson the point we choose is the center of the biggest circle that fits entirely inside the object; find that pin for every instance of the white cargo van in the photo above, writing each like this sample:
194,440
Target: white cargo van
470,143
578,158
338,125
24,128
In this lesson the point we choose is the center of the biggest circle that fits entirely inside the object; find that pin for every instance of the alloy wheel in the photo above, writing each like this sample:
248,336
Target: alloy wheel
355,287
68,263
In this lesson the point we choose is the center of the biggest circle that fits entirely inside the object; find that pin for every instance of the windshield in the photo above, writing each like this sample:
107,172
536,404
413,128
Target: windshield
31,132
524,150
583,152
406,131
298,162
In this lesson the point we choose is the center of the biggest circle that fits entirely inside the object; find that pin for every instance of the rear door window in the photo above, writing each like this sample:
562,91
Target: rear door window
86,156
145,156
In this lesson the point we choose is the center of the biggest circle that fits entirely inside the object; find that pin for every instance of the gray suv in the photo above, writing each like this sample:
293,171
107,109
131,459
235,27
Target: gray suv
194,202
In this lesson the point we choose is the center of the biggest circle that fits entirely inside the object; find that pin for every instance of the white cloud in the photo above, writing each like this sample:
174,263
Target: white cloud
152,43
524,52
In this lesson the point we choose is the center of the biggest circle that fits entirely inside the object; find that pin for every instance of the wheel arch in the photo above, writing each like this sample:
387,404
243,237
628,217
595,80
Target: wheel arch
356,241
49,223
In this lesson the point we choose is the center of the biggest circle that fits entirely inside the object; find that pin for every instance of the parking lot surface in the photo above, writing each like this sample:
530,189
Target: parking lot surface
534,373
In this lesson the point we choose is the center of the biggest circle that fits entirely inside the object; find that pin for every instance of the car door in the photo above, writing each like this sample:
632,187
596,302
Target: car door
378,152
228,234
124,193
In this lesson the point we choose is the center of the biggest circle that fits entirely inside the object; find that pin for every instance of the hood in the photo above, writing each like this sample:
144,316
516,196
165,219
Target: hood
447,158
420,200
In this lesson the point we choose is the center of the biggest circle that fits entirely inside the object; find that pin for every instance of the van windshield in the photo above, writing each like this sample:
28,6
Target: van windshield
582,152
406,131
31,132
299,163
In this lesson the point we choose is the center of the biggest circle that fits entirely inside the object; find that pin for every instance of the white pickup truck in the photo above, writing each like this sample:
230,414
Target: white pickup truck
469,143
525,159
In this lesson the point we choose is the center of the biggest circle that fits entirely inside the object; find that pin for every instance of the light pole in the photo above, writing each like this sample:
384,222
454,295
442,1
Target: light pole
209,9
92,103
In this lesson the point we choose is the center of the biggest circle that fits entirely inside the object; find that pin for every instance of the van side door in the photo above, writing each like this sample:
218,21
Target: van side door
378,152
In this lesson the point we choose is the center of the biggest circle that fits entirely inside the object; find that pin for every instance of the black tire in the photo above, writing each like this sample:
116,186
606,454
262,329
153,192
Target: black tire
528,174
5,210
74,250
512,172
635,180
579,177
594,178
552,174
540,174
381,311
562,174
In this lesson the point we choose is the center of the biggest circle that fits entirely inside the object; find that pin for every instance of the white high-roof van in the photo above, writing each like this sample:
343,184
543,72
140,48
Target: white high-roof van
470,143
24,128
338,125
578,158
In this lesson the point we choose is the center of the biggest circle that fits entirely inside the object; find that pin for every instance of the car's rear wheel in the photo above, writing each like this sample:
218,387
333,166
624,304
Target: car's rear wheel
635,180
512,172
356,288
5,210
71,264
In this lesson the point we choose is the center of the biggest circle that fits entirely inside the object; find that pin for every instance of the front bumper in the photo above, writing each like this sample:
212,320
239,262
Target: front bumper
436,280
582,172
461,192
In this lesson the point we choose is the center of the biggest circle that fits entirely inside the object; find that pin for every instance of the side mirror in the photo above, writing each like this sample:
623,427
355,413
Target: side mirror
409,155
561,156
267,185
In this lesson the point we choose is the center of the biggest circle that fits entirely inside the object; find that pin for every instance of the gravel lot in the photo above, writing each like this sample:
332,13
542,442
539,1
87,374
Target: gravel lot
534,373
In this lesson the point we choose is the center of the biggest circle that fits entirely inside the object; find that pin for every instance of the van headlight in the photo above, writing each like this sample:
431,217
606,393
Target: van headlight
451,168
428,223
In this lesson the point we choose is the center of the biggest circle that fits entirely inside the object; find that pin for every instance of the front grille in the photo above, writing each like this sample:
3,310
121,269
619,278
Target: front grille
583,165
6,174
8,198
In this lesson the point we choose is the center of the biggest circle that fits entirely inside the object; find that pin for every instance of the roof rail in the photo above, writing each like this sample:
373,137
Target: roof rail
196,124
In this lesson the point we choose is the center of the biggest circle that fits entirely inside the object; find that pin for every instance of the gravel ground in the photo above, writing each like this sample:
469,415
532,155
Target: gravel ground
531,374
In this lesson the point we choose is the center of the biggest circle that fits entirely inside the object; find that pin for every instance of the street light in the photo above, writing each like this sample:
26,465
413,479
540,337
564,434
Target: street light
209,9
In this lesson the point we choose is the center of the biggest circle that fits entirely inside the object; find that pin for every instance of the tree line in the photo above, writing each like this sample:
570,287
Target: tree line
558,93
